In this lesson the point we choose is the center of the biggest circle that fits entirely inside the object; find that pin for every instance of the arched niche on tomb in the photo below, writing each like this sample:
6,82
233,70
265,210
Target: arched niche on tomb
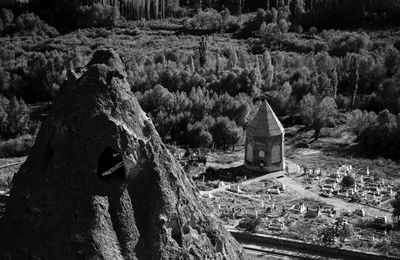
276,154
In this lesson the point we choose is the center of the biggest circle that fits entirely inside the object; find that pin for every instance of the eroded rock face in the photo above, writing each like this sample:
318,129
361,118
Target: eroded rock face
99,183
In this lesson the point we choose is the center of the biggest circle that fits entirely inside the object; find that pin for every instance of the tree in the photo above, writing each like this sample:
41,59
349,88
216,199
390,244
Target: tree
298,8
317,114
6,16
356,79
313,31
392,61
267,70
198,135
336,232
250,223
283,26
389,94
14,118
348,181
360,121
232,58
226,131
396,208
3,115
115,16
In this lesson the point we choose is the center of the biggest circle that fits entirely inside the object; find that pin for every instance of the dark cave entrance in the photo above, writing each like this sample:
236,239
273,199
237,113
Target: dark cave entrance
110,166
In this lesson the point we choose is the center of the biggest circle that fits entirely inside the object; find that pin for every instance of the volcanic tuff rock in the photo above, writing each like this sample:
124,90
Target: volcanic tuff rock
100,184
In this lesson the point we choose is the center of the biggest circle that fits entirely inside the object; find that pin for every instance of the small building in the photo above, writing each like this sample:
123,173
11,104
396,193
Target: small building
265,142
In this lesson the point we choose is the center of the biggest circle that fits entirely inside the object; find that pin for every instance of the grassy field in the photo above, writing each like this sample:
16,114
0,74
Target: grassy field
335,147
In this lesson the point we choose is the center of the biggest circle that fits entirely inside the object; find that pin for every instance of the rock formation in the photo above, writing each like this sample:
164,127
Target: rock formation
100,184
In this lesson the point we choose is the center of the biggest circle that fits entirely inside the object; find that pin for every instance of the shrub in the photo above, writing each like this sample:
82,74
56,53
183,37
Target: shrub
208,20
313,30
17,147
14,118
298,28
6,16
250,223
342,43
348,181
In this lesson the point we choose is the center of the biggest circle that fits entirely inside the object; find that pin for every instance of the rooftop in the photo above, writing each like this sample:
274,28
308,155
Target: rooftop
265,123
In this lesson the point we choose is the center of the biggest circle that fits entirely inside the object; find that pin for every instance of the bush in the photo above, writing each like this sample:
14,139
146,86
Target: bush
250,223
298,28
378,133
14,118
348,181
313,30
208,20
342,43
17,147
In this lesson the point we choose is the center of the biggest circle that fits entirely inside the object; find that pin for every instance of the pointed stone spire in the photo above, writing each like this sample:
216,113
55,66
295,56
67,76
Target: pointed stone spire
100,184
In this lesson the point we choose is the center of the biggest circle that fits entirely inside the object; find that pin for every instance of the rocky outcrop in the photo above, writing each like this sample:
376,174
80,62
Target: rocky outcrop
100,184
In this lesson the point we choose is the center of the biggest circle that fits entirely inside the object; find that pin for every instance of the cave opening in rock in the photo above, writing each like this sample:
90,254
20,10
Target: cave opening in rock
110,165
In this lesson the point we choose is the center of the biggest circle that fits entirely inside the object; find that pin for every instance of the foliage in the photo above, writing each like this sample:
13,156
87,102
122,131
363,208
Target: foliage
211,20
379,133
19,146
348,181
270,25
351,13
27,24
14,118
225,131
250,223
97,15
304,230
396,208
335,233
317,114
356,198
196,118
295,76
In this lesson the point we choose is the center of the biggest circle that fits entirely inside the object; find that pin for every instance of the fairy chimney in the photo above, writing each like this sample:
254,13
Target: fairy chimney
100,184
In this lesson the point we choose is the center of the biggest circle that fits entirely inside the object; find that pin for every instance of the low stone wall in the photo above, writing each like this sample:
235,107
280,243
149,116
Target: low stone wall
291,244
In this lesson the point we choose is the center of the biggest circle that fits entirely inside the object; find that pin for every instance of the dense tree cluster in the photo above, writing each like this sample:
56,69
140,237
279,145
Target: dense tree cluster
27,24
197,118
14,118
325,13
335,233
97,15
204,90
380,133
63,13
210,20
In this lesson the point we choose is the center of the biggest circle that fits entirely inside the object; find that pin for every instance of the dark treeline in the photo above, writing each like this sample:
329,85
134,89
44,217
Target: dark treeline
320,13
345,13
60,12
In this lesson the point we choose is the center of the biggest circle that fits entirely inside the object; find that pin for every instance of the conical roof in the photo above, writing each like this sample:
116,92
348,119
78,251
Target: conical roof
265,123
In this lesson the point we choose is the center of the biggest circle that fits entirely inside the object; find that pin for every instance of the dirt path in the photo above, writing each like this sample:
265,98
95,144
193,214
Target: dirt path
339,204
244,183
